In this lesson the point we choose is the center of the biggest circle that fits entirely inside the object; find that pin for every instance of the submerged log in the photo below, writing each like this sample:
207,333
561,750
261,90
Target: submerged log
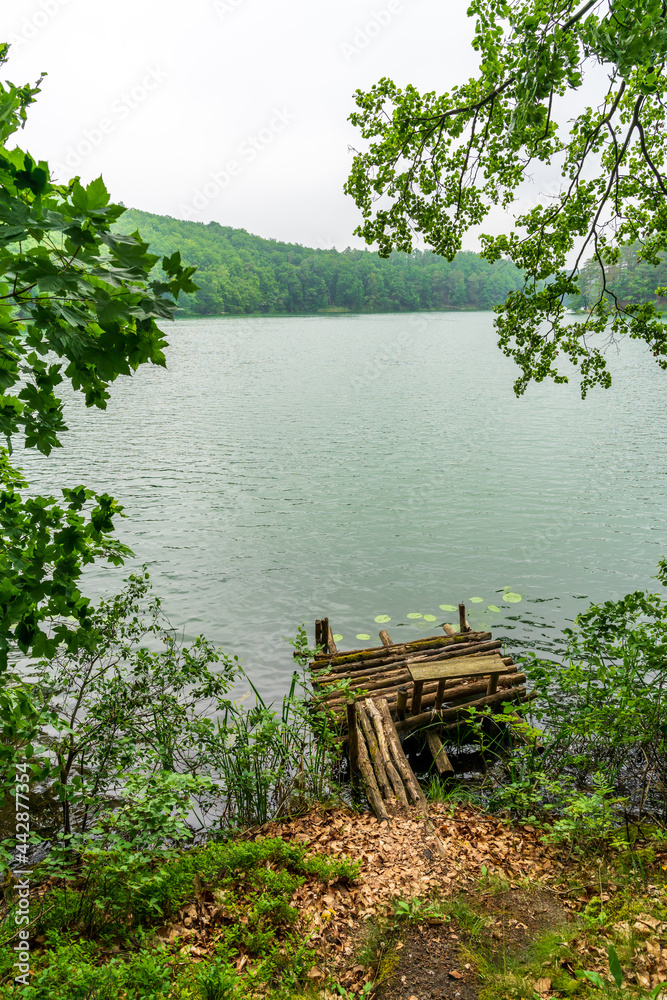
442,762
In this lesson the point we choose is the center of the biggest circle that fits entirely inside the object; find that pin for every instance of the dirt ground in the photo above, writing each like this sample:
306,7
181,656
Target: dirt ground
430,965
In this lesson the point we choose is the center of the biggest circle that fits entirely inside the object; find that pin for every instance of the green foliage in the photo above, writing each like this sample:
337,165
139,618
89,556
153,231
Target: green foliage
240,273
78,304
118,896
605,709
435,165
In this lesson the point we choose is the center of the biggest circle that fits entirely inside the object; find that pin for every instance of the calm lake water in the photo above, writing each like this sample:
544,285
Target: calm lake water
283,469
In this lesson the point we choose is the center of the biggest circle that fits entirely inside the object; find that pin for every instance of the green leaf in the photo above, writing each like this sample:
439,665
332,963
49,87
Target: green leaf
615,966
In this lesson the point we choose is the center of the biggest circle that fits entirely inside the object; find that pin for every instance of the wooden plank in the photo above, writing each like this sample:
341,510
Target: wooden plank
460,666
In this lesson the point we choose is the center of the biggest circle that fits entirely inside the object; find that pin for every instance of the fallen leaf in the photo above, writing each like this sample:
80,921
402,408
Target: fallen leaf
453,974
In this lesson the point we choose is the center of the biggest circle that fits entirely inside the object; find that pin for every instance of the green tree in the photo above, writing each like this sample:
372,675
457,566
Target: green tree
79,305
435,164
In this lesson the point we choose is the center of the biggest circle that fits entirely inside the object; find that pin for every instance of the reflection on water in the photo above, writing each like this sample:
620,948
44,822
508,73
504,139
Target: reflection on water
283,469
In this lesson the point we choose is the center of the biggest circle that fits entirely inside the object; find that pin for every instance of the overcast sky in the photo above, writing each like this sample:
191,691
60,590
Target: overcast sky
163,96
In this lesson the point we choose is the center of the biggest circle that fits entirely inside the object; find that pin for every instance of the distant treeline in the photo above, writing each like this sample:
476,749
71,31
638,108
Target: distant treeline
241,273
631,280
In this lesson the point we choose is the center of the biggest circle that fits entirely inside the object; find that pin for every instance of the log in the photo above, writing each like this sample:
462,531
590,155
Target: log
384,638
401,761
325,635
370,784
353,740
425,718
440,758
449,629
318,633
402,702
392,773
385,665
456,690
362,656
463,624
389,690
375,757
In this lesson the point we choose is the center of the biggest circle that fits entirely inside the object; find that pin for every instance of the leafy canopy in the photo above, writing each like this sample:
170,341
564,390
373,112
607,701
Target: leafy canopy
77,305
435,165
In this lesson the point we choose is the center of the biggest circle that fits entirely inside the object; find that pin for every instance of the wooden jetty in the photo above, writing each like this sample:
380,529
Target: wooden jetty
427,690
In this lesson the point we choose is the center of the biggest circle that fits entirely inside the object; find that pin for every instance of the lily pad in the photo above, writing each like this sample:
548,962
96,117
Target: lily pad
430,618
493,607
414,614
362,635
511,597
476,600
447,607
337,637
383,618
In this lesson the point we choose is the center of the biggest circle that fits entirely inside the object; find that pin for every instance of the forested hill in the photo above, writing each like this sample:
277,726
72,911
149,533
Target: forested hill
242,273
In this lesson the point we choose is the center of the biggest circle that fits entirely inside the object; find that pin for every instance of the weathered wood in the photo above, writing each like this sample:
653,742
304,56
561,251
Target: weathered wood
385,665
493,683
375,756
401,701
460,666
510,678
318,633
338,663
401,761
440,693
463,624
371,789
353,739
442,762
333,649
384,638
416,704
449,629
325,635
381,736
447,714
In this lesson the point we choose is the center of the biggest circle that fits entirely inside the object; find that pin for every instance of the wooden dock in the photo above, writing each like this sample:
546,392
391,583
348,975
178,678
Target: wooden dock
421,693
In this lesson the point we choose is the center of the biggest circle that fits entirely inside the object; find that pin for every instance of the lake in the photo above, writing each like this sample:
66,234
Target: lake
283,469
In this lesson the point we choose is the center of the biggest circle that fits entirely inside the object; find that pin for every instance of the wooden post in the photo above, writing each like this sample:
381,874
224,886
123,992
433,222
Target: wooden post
402,702
417,688
384,638
493,684
318,632
325,634
333,649
440,695
463,624
353,744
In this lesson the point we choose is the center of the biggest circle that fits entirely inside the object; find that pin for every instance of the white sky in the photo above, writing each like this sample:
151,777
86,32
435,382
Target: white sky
161,97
